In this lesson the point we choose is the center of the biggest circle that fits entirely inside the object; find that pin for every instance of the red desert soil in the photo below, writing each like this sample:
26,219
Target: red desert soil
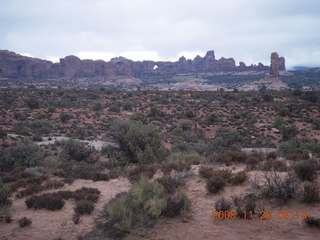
52,225
202,227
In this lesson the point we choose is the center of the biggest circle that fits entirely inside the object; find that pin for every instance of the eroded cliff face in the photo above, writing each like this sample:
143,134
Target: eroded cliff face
13,65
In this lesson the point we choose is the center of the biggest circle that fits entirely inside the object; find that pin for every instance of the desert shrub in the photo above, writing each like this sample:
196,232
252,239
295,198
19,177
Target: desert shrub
273,165
88,194
177,204
306,170
97,107
48,201
139,143
75,150
65,117
32,103
312,221
6,162
172,182
206,172
76,218
316,124
81,170
4,195
238,178
189,114
225,174
299,146
40,127
278,122
271,155
24,222
114,108
53,184
280,187
29,190
222,205
155,112
180,146
84,207
288,132
215,184
51,109
127,106
311,192
310,96
237,157
3,133
226,140
178,166
135,173
244,204
25,154
8,179
267,97
212,118
133,211
64,194
252,163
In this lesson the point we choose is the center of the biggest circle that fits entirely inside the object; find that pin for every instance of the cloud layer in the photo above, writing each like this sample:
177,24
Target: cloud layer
163,30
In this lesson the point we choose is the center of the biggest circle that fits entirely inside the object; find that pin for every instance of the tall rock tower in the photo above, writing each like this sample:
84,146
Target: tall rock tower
274,67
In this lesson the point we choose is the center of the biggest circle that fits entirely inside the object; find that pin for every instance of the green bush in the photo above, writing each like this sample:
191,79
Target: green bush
134,174
97,107
33,103
226,140
215,184
6,163
139,143
172,183
4,195
75,150
134,211
65,117
288,132
278,122
25,154
299,146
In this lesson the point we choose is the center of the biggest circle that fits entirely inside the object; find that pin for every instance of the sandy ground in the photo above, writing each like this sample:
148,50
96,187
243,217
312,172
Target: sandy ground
58,224
201,227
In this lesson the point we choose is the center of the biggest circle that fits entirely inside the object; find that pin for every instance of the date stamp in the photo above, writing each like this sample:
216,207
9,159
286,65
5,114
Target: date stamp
263,215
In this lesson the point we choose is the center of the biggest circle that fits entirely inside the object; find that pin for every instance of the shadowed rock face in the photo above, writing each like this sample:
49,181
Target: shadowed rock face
13,65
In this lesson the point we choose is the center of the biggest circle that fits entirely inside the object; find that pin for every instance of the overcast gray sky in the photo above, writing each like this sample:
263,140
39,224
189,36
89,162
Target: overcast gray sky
247,30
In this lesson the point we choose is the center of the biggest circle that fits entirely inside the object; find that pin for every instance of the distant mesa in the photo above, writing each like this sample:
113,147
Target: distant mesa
13,65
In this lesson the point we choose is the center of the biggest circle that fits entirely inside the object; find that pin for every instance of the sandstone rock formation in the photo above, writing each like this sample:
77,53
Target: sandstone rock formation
13,65
271,82
274,67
